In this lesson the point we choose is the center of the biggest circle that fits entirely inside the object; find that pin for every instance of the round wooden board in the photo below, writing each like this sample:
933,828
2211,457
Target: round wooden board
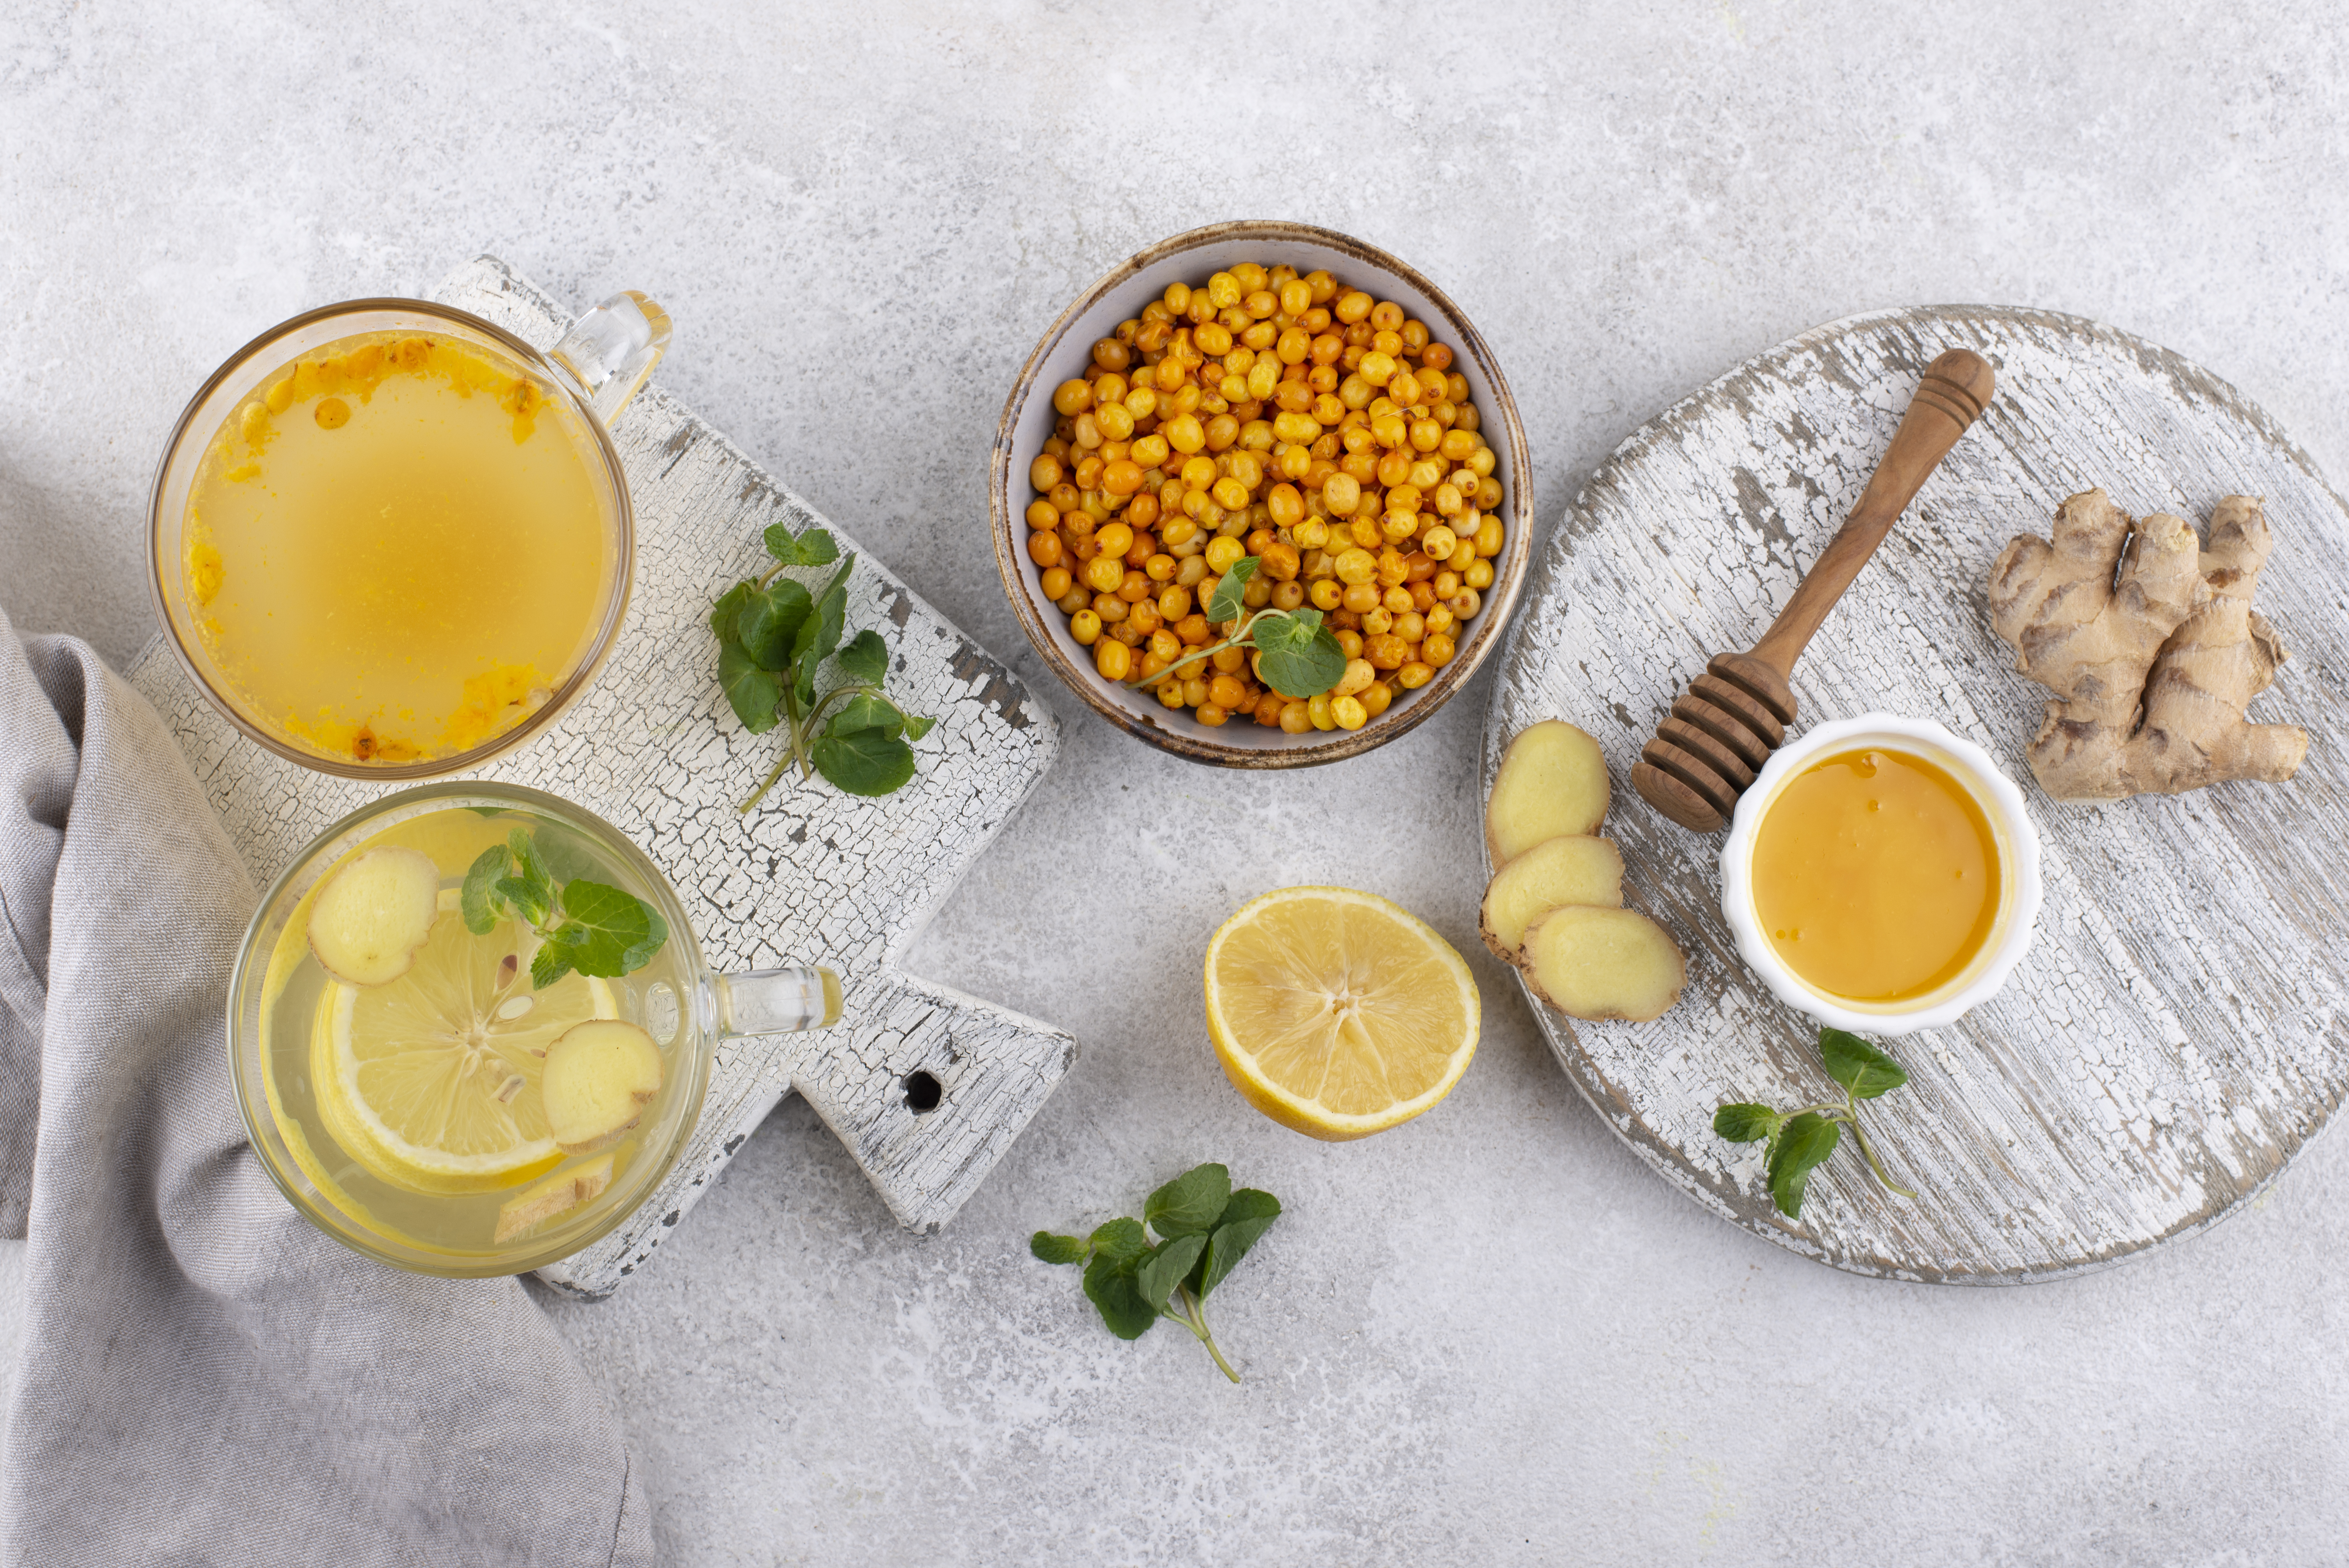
2180,1026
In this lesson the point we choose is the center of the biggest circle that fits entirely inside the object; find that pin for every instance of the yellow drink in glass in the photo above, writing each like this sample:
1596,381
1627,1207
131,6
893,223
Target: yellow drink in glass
397,546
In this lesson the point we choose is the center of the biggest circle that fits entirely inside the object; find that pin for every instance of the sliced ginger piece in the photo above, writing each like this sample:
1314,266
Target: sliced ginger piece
1552,783
600,1075
559,1194
2148,639
1592,962
1572,868
372,916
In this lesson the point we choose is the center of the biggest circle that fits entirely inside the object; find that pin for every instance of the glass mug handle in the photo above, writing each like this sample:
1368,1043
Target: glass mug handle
611,349
775,1001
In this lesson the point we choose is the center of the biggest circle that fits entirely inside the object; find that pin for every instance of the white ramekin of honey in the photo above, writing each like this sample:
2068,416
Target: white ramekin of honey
1881,875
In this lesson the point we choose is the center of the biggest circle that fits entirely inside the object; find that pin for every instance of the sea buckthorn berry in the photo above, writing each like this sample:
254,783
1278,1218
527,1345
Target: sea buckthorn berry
1403,388
1414,674
1194,630
1376,368
1074,600
1088,472
1167,645
1044,472
1229,660
1426,435
1041,513
1341,493
1394,468
1113,539
1111,355
1177,297
1326,595
1360,598
1437,649
1112,658
1225,691
1044,548
1110,608
1269,710
1135,586
1288,595
1396,602
1123,477
1212,714
1160,568
1280,561
1170,693
1478,576
1296,716
1222,552
1438,542
1377,623
1057,582
1085,626
1311,534
1356,565
1072,397
1359,673
1352,306
1144,615
1349,712
1376,697
1386,315
1350,640
1458,446
1387,652
1105,572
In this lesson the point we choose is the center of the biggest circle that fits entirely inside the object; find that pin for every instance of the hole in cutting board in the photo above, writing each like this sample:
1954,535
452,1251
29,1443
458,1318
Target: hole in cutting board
922,1092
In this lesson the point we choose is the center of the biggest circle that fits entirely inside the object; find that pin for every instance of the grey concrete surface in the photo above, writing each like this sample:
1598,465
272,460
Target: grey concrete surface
1490,1337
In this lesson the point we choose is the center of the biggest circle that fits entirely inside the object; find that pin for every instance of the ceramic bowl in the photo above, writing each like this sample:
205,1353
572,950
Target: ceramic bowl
1065,351
2011,828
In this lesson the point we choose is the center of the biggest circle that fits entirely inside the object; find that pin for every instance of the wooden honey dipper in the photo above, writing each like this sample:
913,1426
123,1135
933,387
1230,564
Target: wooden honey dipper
1736,714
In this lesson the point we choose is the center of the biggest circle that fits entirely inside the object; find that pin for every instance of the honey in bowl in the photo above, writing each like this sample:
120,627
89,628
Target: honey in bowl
1876,876
397,546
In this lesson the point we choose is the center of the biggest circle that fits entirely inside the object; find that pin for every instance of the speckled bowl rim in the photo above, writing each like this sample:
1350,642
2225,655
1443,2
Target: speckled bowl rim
2010,823
1137,716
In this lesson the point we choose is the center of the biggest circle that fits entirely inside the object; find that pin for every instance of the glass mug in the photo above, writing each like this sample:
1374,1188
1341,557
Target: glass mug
389,540
404,1119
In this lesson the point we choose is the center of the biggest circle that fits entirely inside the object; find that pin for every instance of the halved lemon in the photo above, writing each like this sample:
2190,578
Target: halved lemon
431,1081
1338,1013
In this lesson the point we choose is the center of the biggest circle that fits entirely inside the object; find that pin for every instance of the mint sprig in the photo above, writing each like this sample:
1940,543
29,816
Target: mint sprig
1204,1229
1801,1141
603,930
1299,656
773,635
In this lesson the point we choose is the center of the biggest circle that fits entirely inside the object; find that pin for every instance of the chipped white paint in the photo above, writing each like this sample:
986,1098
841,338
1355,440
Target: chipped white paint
2181,1025
812,876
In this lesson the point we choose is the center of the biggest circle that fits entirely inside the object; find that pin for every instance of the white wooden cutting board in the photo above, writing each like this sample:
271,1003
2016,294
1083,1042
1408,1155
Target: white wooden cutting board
812,876
2181,1025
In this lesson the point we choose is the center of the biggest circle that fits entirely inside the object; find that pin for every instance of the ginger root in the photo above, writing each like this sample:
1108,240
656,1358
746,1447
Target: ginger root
558,1195
374,915
1570,869
1552,783
2152,652
1594,963
600,1075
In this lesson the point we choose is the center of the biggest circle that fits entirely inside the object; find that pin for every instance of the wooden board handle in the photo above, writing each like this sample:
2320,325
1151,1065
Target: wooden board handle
1949,397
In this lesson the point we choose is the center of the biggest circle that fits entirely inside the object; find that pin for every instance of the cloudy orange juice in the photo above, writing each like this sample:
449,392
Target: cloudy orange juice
398,546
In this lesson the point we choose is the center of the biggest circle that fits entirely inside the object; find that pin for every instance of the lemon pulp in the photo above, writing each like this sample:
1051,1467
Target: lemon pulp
1338,1013
431,1081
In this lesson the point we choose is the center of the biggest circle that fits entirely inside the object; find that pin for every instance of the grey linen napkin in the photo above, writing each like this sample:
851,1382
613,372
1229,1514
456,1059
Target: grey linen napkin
207,1378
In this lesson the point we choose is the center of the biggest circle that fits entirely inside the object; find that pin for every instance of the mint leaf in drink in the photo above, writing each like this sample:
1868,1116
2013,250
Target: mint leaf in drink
754,693
863,761
813,548
1045,1247
1189,1204
771,620
1164,1268
866,657
1746,1123
1860,1067
551,962
1800,1139
1245,1219
479,902
1807,1140
1134,1278
609,932
1226,603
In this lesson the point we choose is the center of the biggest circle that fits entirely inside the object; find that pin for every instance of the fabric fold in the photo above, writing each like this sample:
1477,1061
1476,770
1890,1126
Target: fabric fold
207,1378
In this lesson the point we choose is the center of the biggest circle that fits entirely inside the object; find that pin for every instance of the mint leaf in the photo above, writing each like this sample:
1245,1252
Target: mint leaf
864,762
1045,1247
1301,669
551,963
866,657
1860,1067
865,711
813,548
1246,1218
755,693
728,608
770,621
1121,1241
1191,1204
479,900
607,927
1112,1288
1806,1140
1226,603
1746,1123
917,727
1164,1269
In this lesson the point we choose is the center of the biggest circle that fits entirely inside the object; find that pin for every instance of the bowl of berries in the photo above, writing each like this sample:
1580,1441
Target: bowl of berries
1261,496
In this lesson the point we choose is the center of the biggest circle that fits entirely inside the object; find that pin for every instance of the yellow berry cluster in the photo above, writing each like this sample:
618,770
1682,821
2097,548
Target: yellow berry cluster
1287,418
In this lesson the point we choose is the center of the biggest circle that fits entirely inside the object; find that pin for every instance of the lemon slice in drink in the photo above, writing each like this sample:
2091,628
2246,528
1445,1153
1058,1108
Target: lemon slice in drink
431,1081
1337,1013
